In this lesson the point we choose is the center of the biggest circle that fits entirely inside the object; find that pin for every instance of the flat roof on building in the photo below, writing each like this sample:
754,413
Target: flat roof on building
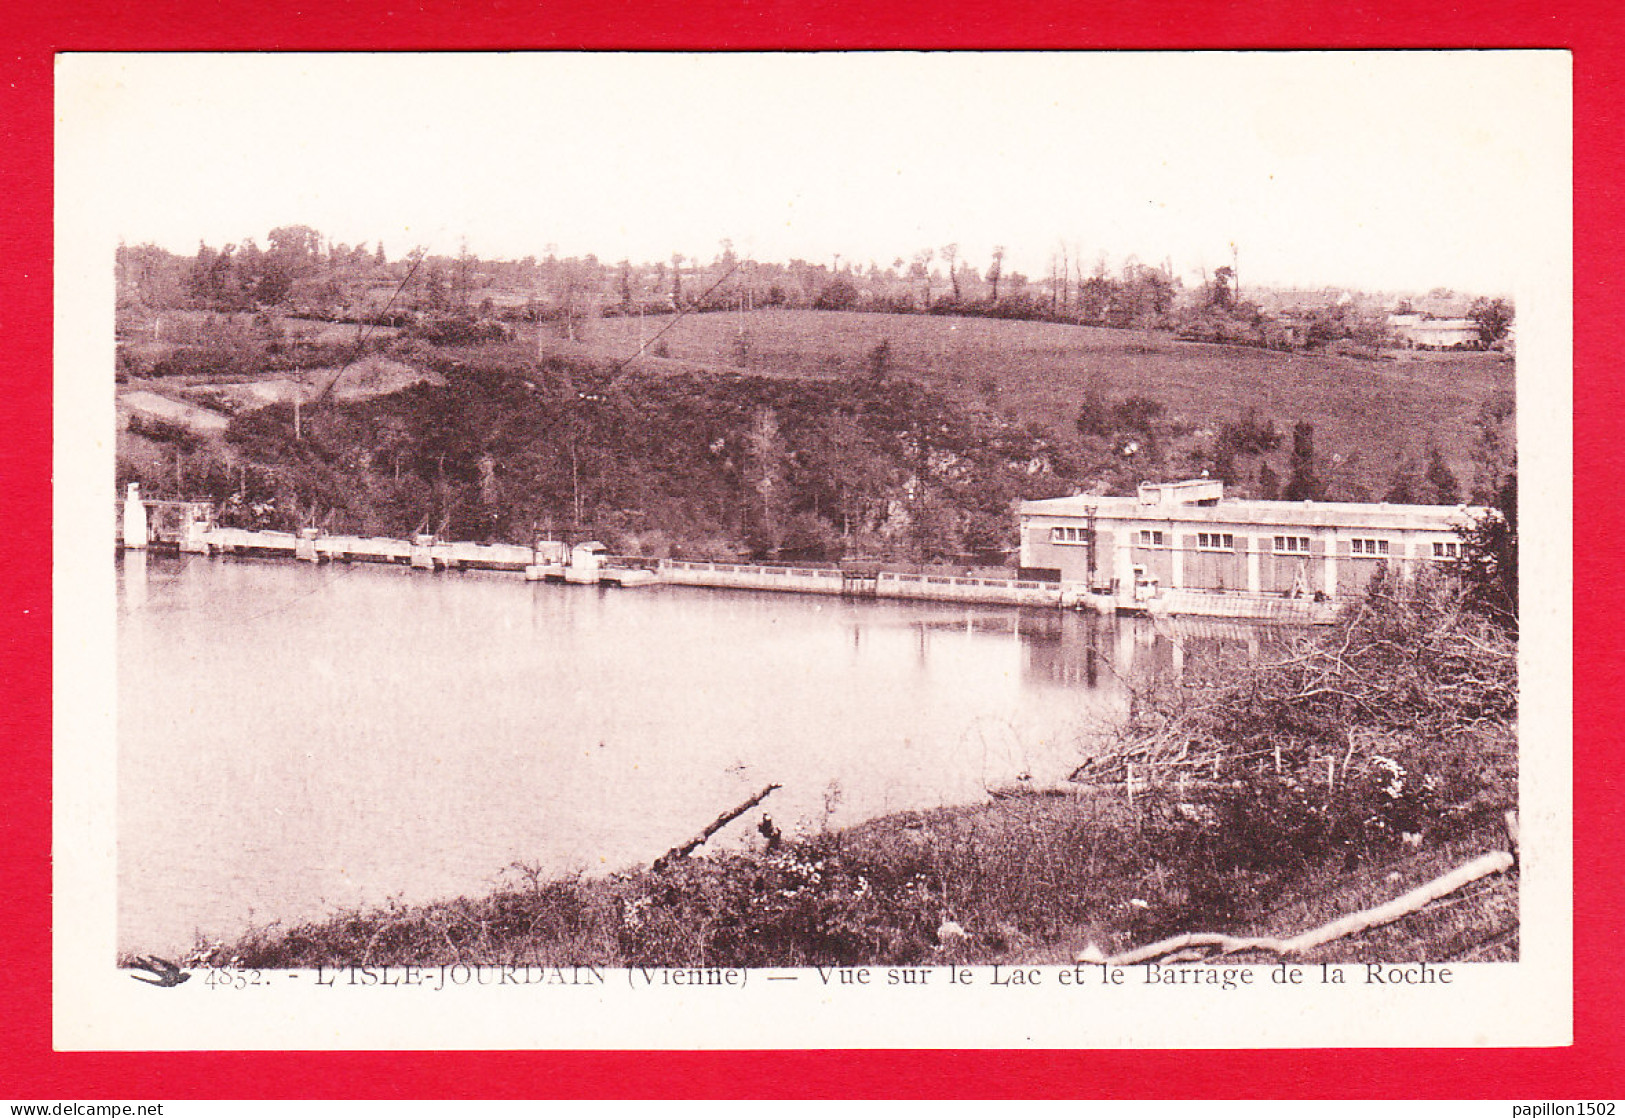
1325,514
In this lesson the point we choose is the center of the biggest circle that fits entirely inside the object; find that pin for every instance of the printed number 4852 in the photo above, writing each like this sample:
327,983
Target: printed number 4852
234,979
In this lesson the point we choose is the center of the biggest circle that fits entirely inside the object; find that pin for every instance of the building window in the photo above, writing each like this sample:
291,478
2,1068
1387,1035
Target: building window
1215,541
1069,535
1151,538
1446,549
1292,543
1369,547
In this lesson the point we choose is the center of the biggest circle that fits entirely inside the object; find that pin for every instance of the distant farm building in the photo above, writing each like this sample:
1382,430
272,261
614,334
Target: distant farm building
1417,332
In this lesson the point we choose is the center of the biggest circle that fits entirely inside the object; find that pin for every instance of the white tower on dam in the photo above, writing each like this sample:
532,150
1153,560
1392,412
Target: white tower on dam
135,517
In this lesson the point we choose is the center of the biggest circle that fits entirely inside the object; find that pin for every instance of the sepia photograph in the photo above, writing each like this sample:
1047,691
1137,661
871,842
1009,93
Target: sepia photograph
907,519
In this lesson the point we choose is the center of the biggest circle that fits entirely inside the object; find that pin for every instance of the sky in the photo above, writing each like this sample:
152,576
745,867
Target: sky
1380,171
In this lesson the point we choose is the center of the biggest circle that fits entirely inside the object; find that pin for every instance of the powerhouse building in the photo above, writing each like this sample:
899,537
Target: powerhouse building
1180,542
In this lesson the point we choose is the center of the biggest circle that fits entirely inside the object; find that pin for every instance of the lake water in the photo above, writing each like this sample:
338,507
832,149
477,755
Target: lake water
296,741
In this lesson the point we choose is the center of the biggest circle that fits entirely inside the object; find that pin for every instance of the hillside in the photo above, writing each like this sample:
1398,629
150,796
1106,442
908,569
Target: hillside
779,433
1368,413
492,445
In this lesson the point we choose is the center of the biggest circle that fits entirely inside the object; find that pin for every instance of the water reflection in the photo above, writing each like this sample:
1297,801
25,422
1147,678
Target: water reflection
1103,654
297,740
1085,650
132,580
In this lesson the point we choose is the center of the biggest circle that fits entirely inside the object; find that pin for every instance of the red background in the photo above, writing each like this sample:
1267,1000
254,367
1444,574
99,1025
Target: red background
1591,1069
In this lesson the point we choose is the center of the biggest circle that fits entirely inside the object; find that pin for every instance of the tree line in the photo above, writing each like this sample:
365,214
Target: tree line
300,271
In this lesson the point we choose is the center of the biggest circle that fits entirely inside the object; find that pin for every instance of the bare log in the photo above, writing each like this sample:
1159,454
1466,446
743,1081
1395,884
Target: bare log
677,853
1497,861
1224,944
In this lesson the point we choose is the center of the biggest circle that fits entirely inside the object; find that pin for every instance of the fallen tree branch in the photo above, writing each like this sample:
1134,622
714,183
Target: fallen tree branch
1227,945
677,853
1497,861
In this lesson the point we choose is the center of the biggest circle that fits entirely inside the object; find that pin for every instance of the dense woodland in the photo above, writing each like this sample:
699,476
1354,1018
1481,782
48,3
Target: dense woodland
704,462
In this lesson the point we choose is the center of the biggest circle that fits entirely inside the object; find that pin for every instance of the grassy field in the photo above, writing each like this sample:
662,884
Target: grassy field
1380,410
180,327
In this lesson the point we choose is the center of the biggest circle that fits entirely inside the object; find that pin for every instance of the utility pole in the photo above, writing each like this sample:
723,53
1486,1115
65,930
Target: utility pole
575,489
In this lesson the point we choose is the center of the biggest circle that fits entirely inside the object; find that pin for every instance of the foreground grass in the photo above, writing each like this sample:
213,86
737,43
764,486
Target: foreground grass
1033,879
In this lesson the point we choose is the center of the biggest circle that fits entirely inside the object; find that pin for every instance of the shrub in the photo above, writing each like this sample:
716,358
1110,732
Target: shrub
1489,564
1251,434
459,329
1138,413
215,362
1094,414
839,294
1442,481
878,361
1133,415
804,904
163,430
1399,720
893,303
